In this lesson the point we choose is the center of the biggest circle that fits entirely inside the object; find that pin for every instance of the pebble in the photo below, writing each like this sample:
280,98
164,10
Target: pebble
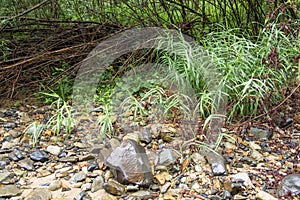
39,155
55,185
97,184
7,145
113,187
39,194
26,164
78,177
54,150
7,191
262,195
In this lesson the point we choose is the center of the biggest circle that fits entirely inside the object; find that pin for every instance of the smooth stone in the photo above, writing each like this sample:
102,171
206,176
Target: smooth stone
39,155
7,145
130,164
262,195
113,187
54,150
167,157
26,164
39,194
217,164
97,184
55,185
289,185
5,175
9,191
78,177
44,173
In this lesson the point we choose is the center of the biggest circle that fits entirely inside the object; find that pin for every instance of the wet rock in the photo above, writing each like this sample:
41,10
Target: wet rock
262,195
217,164
78,177
4,176
39,155
55,185
97,184
7,191
26,164
54,150
260,133
39,194
130,164
114,188
290,185
145,135
167,157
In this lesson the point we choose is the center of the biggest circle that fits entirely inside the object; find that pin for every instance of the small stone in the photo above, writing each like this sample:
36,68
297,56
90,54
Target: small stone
198,158
54,150
39,155
160,178
9,191
167,157
260,133
142,194
18,172
242,177
97,184
217,164
262,195
39,194
114,188
165,187
26,164
86,186
86,157
55,185
78,177
145,135
102,195
257,156
254,146
7,145
5,175
132,136
10,125
79,145
44,173
71,159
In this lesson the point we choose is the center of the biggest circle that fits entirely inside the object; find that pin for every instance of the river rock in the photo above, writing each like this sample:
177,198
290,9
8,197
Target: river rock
26,164
130,164
55,185
7,191
39,194
289,185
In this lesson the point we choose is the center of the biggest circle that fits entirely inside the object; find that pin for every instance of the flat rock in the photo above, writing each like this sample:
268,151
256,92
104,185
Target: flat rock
97,183
7,145
55,185
4,176
102,195
130,163
242,177
78,177
26,164
9,191
260,133
290,185
39,194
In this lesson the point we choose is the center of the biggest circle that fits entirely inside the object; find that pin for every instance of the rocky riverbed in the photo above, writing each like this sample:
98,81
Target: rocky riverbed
149,163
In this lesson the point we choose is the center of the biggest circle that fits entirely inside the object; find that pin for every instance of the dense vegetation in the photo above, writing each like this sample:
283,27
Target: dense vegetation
254,45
